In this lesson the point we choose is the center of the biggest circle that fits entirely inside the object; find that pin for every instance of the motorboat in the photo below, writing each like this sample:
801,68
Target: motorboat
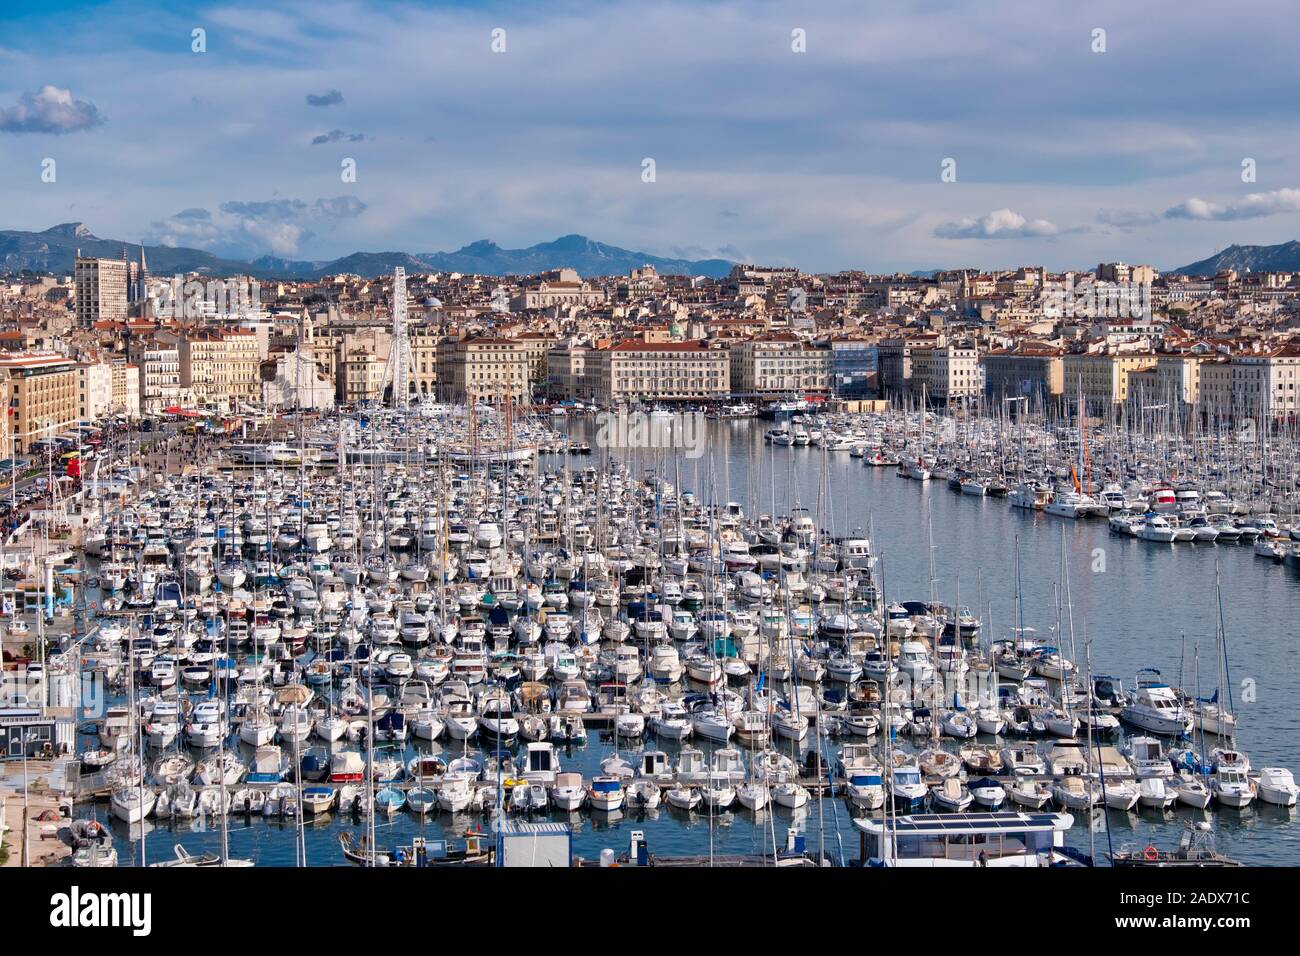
952,795
1076,793
606,793
1277,786
1023,759
1155,793
906,787
1231,787
1120,795
987,792
1191,789
1030,792
1154,707
1148,757
568,793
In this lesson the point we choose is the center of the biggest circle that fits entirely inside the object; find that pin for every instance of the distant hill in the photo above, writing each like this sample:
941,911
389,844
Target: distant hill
588,257
54,250
1284,257
284,267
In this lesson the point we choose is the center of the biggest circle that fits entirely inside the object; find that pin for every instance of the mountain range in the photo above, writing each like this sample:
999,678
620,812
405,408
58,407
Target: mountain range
1284,257
54,250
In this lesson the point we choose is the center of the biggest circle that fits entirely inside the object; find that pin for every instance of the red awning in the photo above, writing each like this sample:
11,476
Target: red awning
183,412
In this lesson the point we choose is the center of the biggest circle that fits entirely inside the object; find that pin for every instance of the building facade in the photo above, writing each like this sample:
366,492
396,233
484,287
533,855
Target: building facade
43,395
100,290
483,369
94,390
1267,385
855,369
160,380
566,374
946,373
1102,378
126,388
1022,373
221,367
778,365
634,371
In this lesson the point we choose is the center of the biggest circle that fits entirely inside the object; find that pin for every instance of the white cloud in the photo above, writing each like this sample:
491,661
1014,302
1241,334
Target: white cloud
191,228
251,228
999,224
49,110
1252,206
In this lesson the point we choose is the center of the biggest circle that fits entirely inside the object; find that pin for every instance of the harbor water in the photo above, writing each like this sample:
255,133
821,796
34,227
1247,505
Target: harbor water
1132,603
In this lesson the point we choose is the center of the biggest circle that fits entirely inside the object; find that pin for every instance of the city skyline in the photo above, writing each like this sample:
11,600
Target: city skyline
825,159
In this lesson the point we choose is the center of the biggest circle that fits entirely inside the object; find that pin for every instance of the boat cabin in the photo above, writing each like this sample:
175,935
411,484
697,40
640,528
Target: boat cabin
654,764
541,765
967,839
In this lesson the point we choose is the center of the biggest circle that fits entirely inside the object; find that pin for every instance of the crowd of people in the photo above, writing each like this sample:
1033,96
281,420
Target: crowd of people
27,487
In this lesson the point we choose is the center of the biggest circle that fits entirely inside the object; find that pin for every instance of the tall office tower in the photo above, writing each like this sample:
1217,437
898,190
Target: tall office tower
100,289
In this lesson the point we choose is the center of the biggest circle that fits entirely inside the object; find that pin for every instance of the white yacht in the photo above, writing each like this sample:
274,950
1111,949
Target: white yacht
1154,707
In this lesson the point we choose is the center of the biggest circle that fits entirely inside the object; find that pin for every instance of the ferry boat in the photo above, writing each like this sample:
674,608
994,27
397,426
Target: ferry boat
994,839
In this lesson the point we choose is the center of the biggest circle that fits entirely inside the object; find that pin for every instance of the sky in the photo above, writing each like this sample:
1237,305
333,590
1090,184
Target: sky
826,135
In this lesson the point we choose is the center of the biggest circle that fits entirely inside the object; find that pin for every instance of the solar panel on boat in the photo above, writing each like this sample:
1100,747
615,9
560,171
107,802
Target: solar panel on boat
934,822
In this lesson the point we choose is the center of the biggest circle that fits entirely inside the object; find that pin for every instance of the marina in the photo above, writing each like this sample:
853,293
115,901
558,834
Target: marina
378,636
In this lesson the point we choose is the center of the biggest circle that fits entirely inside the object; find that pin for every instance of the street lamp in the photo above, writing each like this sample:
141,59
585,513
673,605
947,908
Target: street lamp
28,738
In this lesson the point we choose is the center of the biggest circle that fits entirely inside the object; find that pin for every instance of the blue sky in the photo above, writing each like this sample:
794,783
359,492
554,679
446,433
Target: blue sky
825,159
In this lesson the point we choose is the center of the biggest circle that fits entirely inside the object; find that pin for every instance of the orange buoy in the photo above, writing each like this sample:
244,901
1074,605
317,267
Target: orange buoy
1151,853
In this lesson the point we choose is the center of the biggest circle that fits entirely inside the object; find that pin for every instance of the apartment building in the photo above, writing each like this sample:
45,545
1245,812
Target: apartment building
359,375
1178,377
1216,393
1267,384
634,370
94,390
1035,373
355,359
946,373
1102,378
895,359
99,290
483,369
779,364
535,346
160,380
221,366
1122,272
424,358
126,388
42,391
566,374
